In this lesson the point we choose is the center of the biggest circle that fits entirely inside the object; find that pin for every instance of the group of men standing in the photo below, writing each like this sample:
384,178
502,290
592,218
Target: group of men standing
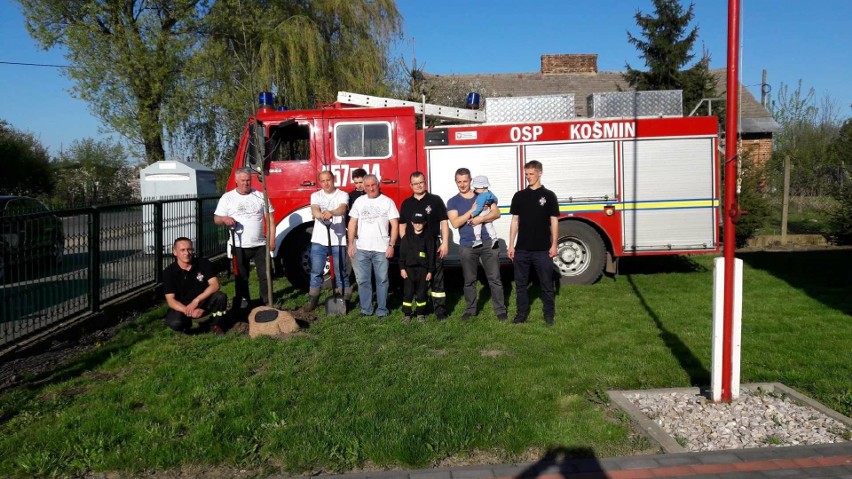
365,225
374,226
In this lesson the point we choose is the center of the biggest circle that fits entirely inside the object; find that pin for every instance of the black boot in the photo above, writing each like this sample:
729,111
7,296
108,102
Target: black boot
314,300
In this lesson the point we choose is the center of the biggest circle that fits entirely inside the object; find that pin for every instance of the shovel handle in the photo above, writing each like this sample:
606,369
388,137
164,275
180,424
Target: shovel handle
234,254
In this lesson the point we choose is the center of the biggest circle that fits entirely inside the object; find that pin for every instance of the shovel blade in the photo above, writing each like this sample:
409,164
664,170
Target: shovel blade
335,307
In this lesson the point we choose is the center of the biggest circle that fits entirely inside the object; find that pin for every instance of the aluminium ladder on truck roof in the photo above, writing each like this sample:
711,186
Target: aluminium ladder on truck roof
438,111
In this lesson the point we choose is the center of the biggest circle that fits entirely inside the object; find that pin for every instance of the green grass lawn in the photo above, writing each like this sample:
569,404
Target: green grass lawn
351,392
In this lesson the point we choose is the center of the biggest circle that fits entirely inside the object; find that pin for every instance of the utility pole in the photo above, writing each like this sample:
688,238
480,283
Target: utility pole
763,89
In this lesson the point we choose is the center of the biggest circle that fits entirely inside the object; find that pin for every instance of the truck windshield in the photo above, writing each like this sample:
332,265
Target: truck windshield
362,140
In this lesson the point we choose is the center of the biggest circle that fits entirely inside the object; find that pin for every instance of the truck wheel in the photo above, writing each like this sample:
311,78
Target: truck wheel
580,253
297,257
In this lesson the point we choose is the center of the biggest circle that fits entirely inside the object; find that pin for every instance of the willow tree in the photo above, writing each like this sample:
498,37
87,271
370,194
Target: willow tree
126,57
666,44
303,51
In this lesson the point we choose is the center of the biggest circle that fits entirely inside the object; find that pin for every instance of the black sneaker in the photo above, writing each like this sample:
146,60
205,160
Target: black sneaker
548,321
519,319
466,316
502,317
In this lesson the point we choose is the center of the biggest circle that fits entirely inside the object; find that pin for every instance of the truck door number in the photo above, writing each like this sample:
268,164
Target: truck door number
525,133
342,173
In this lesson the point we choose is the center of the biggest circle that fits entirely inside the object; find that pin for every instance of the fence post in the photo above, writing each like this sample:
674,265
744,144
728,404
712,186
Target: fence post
158,241
95,260
199,228
785,199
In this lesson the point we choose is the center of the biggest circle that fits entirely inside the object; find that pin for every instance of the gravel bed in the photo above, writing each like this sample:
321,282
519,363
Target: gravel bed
755,419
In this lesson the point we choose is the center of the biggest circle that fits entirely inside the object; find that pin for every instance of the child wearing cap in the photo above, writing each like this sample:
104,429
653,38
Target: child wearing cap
484,200
416,265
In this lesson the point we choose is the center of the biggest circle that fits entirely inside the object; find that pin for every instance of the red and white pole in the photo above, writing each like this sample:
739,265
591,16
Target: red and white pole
732,302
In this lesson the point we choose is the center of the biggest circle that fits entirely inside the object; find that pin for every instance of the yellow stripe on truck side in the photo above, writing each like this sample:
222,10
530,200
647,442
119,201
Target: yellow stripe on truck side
627,206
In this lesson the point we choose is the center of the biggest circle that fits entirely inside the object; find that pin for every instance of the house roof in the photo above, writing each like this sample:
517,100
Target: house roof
754,117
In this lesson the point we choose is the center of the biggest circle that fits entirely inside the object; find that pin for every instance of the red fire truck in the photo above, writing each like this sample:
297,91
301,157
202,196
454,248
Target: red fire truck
627,186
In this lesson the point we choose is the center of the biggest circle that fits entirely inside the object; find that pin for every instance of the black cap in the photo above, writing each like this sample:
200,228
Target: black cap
418,218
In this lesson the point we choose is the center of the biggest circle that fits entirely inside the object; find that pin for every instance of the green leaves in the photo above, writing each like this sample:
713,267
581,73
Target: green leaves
665,44
186,72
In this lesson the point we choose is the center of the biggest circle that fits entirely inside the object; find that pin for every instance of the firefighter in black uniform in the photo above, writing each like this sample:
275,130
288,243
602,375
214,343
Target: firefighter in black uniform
192,290
437,228
416,265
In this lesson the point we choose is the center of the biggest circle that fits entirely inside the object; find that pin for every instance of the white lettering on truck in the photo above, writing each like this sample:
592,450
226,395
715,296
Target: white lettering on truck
607,130
342,172
525,133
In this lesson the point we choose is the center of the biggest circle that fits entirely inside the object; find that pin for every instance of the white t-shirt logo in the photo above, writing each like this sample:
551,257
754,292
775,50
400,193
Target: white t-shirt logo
542,201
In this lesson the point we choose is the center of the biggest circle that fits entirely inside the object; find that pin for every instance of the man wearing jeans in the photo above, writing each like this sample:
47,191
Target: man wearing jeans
532,241
328,207
460,210
373,229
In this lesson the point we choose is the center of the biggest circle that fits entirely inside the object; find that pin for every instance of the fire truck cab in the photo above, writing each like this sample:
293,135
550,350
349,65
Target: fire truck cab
627,186
297,144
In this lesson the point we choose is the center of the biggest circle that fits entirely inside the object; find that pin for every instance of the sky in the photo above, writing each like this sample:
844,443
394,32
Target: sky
791,39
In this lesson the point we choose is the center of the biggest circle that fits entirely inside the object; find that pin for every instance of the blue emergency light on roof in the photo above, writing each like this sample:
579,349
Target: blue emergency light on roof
472,101
266,99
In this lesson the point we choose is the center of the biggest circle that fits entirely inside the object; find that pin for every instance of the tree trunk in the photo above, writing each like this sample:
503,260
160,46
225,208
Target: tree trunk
152,131
154,150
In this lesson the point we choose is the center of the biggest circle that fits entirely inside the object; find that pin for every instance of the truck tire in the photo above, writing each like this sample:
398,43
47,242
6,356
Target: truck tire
297,257
580,253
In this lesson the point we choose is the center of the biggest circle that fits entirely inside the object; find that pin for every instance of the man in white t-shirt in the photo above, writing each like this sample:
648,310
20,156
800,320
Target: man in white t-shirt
242,210
328,207
373,229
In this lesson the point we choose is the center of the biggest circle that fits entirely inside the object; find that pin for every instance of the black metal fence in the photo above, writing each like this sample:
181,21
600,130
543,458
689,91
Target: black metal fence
64,263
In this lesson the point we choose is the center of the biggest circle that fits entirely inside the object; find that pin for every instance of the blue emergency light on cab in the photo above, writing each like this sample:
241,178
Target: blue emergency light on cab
472,101
266,101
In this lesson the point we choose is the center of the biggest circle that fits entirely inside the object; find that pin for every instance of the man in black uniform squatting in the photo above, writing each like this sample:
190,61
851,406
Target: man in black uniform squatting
532,241
191,289
437,228
416,265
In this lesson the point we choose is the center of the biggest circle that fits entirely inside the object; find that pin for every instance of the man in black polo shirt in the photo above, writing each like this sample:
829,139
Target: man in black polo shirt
532,241
358,175
192,290
431,206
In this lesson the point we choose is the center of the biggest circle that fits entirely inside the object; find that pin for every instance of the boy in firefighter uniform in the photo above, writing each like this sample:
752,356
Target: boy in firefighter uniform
416,265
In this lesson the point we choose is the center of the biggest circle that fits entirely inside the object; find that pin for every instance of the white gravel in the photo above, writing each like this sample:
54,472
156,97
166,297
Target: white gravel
755,419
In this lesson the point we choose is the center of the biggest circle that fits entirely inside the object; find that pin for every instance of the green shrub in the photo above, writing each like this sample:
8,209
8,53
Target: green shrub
841,219
753,202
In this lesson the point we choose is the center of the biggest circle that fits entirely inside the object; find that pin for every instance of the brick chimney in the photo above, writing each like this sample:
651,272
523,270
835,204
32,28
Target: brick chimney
570,63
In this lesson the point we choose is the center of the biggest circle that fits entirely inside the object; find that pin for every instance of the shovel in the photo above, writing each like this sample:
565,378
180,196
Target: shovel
335,305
